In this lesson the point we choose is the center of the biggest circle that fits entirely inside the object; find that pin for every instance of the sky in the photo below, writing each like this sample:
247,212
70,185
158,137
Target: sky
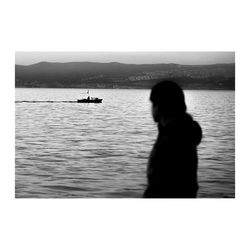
190,58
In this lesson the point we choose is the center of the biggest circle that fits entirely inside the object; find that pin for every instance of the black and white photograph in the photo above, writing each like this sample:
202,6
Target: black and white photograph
125,125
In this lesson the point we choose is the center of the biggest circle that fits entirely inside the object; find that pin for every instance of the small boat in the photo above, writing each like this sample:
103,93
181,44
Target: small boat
89,99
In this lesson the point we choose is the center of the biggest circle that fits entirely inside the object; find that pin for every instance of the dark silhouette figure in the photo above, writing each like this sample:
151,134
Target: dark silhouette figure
173,162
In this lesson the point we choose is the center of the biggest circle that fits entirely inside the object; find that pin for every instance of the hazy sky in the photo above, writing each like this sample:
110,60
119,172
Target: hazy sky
26,58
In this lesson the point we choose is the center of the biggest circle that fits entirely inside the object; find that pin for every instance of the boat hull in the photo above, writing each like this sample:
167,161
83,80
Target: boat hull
89,101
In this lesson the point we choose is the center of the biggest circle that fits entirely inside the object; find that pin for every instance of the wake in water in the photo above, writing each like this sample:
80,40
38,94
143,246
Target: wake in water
46,101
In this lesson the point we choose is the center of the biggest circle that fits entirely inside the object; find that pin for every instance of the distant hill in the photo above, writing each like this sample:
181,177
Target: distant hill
119,75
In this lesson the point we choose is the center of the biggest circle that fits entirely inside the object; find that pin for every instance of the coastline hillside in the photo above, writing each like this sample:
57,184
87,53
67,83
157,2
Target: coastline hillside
119,75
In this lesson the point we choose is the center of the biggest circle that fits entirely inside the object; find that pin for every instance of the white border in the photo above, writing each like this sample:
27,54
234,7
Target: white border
124,26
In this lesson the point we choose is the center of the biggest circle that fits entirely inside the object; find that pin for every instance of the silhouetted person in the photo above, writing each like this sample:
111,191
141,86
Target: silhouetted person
173,162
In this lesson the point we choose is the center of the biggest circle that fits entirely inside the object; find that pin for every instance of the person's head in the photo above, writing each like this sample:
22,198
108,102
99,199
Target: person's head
168,100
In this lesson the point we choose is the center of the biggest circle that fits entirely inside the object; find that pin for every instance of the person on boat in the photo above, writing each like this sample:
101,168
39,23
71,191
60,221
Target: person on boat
173,162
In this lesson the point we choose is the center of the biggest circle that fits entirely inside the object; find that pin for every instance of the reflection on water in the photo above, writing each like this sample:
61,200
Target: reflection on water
68,149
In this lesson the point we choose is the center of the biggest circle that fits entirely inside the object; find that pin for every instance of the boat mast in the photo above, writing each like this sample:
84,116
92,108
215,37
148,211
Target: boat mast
88,94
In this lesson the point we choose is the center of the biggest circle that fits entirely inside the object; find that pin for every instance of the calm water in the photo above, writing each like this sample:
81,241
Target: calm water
65,149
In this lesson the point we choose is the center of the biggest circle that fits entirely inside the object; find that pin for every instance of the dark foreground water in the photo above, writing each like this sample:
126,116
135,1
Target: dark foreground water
65,149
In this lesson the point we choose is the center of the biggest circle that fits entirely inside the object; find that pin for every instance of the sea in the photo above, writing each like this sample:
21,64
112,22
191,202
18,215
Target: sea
65,149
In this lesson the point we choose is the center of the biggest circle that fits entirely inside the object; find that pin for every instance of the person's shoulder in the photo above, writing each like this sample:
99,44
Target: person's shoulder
186,129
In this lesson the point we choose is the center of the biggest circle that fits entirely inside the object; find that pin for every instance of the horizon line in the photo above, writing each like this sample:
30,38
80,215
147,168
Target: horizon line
124,63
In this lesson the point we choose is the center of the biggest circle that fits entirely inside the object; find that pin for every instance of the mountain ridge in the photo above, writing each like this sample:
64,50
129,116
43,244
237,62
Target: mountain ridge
121,75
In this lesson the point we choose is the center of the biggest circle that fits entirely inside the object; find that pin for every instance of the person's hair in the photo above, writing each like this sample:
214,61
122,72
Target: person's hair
169,98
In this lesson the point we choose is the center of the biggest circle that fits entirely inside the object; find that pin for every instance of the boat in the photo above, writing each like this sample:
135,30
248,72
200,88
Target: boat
89,99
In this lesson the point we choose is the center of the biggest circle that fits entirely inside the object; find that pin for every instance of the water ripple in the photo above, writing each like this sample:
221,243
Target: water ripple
67,150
